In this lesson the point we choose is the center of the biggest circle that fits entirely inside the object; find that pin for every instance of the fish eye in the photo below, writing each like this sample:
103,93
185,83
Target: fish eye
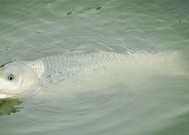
10,77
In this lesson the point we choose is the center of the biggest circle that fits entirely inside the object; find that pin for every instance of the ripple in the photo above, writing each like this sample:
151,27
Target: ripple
84,109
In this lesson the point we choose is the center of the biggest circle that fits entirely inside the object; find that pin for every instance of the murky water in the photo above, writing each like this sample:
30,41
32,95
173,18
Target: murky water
154,105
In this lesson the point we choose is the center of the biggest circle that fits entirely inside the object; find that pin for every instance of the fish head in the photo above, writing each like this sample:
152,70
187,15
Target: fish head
16,80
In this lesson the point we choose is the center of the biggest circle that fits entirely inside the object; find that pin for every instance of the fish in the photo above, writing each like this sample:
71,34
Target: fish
21,78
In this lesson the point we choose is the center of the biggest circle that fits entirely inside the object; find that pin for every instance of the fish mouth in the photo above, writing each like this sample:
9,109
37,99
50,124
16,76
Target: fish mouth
4,96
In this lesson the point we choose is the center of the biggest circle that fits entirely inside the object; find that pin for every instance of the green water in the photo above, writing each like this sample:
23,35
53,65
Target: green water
39,28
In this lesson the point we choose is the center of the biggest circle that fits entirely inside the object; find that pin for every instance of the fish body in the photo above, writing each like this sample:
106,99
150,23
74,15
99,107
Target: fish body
92,69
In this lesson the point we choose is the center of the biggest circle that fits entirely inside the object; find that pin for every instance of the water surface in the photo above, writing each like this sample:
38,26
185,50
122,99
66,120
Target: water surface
158,105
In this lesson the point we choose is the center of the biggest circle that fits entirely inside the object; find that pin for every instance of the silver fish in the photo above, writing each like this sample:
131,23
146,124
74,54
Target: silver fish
18,79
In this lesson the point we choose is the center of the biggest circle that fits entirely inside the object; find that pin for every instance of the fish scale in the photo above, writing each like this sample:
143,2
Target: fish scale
57,68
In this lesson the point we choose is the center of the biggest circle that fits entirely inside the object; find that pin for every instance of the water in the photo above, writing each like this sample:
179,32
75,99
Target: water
157,105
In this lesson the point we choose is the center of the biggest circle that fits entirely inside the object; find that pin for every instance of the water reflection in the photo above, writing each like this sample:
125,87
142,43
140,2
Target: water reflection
9,106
